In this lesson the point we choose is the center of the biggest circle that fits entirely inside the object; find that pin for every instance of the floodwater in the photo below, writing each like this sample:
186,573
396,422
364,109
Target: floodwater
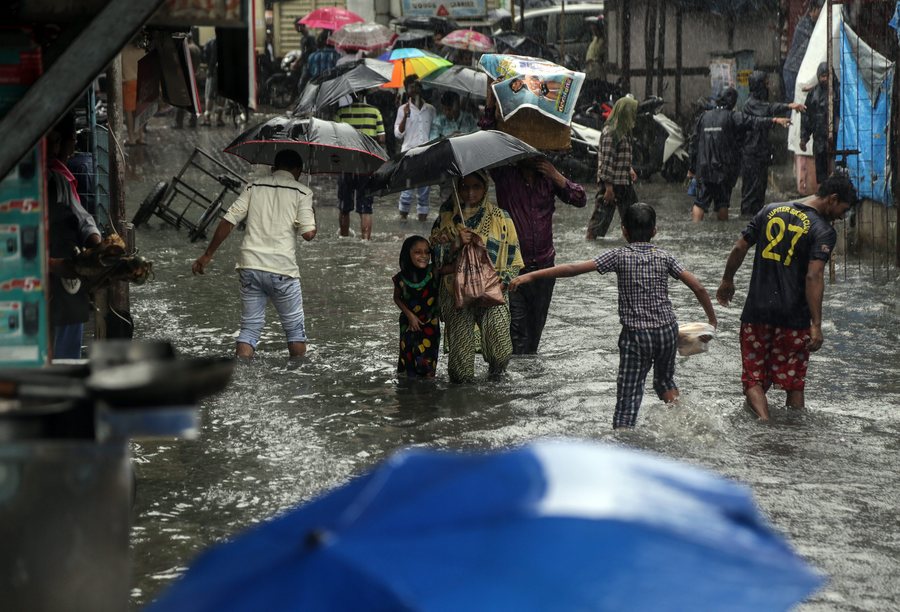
279,435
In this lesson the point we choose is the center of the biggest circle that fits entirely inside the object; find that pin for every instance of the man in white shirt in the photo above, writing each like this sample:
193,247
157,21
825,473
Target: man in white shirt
413,125
275,209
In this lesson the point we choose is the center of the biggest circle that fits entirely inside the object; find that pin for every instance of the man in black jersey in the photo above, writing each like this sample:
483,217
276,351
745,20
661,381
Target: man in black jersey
782,318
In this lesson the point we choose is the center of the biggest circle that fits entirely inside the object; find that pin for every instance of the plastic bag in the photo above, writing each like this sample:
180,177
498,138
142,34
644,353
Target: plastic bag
694,338
476,281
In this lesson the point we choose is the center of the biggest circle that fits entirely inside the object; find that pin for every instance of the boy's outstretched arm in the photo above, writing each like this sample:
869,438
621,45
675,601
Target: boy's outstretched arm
560,271
735,259
702,294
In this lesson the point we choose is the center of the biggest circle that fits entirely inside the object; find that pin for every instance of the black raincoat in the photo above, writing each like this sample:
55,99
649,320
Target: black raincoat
756,149
715,148
815,121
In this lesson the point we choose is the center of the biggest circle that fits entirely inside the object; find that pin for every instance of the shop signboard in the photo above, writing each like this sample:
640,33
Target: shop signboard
454,9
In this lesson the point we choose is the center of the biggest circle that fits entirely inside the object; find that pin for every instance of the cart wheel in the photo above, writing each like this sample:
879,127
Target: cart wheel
208,216
150,203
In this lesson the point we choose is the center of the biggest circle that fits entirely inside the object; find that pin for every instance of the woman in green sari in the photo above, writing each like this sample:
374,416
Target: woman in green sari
455,227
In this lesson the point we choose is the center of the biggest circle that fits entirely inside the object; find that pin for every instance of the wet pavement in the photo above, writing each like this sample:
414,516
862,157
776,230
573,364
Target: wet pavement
281,434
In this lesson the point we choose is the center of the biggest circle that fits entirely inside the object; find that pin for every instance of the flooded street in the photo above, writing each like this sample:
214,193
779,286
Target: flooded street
283,433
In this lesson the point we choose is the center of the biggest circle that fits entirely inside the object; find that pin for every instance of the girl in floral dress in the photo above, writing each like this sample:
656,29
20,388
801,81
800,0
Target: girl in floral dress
416,295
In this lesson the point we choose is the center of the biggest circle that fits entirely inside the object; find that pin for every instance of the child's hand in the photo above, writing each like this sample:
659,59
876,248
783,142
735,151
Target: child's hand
414,323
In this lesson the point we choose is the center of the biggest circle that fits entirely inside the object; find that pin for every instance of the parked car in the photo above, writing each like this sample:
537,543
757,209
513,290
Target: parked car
567,33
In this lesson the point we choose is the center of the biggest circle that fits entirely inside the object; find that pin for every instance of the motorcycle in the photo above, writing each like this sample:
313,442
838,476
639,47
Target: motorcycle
659,143
580,162
601,98
280,89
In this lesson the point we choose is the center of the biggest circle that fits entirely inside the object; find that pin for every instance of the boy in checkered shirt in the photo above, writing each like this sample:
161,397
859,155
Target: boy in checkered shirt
649,335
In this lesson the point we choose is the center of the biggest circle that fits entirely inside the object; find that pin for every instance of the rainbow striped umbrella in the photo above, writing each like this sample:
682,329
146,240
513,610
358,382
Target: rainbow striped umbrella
409,61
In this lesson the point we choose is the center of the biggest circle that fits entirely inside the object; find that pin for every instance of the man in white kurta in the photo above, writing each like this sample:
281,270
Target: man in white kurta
275,209
413,126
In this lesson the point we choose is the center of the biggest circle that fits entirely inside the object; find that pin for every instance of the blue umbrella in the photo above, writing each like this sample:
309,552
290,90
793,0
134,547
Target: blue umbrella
408,53
549,526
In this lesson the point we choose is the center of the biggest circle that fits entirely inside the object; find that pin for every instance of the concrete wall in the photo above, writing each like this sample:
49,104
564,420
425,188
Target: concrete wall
876,226
703,34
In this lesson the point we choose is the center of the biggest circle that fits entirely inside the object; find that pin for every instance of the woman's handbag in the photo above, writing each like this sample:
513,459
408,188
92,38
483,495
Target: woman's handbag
476,282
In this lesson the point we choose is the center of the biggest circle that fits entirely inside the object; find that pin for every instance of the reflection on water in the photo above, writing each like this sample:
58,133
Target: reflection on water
283,432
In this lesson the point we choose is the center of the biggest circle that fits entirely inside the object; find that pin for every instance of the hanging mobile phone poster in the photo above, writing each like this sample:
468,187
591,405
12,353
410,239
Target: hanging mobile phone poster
23,223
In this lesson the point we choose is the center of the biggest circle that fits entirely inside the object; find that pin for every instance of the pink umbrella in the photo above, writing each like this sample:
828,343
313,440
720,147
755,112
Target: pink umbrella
330,18
470,40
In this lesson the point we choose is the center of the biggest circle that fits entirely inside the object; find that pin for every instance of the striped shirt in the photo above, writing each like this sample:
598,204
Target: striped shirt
642,270
365,118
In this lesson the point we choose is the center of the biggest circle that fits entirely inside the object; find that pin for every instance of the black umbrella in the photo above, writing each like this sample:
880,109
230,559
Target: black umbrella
461,79
518,44
435,162
341,81
411,38
325,146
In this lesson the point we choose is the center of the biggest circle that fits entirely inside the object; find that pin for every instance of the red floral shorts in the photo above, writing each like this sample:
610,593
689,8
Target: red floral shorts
773,355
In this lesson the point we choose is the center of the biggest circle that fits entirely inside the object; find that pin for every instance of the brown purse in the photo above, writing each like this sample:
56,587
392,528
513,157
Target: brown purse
476,282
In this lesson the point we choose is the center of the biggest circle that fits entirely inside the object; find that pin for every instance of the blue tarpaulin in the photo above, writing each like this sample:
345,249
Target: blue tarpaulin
895,21
866,84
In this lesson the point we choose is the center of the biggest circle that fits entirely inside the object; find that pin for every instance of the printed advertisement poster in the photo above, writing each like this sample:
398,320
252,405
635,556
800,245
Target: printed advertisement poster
23,304
722,74
444,8
528,82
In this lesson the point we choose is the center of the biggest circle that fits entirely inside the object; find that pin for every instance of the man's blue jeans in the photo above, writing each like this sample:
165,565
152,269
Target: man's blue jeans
420,194
257,288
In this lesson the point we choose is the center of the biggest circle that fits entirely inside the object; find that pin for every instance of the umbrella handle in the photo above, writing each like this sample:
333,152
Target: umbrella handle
456,199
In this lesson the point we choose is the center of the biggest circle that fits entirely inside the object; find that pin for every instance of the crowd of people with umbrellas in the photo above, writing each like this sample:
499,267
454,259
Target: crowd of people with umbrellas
486,269
446,151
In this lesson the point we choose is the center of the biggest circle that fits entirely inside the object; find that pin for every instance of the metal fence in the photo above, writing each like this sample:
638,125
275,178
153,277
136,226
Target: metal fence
868,124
